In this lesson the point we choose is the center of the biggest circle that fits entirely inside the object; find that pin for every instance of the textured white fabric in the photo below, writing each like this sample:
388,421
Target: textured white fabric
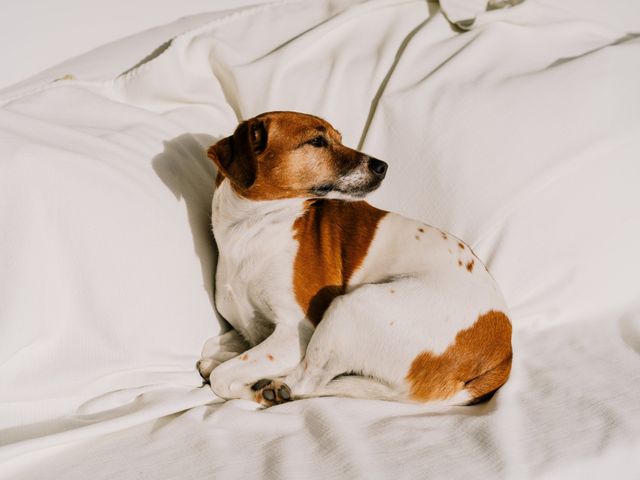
521,136
37,34
463,13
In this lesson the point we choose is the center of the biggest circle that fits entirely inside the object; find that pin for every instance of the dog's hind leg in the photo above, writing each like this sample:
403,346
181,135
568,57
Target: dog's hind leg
355,337
355,386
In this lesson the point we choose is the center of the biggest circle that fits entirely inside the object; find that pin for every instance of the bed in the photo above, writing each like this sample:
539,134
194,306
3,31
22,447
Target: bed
518,131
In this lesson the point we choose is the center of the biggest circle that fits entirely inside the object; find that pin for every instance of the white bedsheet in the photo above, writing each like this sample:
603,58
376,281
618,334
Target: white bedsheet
39,34
522,136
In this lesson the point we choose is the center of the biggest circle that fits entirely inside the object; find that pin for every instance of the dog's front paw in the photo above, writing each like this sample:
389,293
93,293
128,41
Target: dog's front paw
270,392
206,365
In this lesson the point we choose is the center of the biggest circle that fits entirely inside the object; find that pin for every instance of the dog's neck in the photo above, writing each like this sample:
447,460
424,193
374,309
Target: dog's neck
233,215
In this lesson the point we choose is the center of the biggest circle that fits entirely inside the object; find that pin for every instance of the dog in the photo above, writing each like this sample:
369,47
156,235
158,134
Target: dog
328,295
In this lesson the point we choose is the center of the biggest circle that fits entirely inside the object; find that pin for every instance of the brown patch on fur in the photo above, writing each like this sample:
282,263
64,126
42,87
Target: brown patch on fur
459,263
444,235
470,265
479,361
417,237
270,357
334,237
244,357
421,230
461,245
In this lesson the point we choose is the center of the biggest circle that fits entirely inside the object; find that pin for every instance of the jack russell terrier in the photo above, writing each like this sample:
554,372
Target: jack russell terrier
332,295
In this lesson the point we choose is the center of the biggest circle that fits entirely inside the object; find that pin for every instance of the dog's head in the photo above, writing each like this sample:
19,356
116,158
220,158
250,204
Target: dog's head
287,154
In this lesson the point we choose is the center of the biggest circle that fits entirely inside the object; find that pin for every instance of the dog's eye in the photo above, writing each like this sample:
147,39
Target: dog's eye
318,142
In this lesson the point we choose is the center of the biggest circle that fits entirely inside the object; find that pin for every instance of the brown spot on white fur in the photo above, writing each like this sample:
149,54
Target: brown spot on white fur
244,357
461,245
444,235
479,361
270,357
421,230
470,265
334,237
459,263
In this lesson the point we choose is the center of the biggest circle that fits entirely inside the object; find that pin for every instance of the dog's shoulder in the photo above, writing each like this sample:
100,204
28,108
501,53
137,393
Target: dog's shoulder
333,237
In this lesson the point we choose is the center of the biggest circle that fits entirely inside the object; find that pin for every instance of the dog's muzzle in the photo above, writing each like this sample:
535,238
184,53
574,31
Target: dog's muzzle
356,182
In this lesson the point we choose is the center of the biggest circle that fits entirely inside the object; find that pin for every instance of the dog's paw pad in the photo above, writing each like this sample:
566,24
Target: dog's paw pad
270,392
284,393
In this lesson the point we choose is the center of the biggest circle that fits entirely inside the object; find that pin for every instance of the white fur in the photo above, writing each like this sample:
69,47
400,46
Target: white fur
409,296
254,291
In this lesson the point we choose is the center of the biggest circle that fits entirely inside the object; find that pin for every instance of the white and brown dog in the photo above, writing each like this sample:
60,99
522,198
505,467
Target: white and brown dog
334,296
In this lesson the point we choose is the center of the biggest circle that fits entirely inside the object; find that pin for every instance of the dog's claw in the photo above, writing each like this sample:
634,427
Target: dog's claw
271,392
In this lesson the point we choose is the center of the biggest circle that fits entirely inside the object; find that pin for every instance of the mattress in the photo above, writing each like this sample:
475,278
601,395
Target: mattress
520,134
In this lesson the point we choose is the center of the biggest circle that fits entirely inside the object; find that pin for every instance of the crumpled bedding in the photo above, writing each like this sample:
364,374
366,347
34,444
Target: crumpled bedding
521,135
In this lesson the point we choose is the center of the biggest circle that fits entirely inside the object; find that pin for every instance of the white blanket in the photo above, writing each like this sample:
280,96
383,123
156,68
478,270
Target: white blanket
521,136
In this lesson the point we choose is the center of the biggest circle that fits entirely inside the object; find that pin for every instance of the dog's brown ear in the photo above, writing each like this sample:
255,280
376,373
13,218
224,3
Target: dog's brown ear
235,156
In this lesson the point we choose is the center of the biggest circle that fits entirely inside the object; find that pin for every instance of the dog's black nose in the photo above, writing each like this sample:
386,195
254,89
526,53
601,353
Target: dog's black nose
378,167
